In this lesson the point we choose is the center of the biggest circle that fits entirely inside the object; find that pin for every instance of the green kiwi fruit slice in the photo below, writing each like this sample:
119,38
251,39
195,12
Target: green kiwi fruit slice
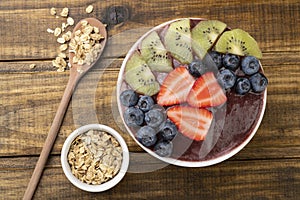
178,41
139,76
155,54
238,42
204,35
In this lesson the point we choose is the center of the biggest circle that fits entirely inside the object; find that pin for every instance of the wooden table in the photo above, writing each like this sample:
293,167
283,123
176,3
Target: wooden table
267,168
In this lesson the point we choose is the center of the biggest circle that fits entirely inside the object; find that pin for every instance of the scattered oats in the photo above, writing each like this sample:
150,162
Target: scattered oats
63,47
57,32
64,12
61,40
32,66
59,63
95,157
64,26
67,36
54,63
50,30
62,55
53,11
60,70
70,21
89,9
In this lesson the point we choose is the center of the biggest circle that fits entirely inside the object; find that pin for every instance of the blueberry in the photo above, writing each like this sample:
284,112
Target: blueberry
133,116
168,131
217,58
258,82
154,118
226,78
250,65
197,68
145,103
163,148
243,86
129,98
147,136
231,61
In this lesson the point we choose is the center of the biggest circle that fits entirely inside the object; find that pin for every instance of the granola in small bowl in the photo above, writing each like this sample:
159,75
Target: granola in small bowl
95,158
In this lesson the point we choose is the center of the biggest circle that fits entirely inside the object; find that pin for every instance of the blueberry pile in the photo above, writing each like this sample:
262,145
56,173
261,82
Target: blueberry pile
155,131
249,79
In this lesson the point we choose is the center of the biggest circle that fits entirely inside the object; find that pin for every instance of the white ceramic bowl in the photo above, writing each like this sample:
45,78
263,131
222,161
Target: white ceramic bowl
104,186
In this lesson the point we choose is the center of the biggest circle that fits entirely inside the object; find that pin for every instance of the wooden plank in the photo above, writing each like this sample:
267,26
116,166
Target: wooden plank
28,105
257,179
269,61
30,41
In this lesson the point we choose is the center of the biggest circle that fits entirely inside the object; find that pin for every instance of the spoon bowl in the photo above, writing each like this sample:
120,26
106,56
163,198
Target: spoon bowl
102,30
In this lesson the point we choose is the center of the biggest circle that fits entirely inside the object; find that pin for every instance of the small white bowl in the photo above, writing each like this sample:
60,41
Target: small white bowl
104,186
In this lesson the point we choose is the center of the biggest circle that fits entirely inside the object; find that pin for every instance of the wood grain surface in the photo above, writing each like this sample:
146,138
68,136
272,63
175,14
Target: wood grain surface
267,168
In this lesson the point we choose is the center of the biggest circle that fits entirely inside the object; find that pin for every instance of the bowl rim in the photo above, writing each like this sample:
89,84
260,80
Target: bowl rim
173,161
104,186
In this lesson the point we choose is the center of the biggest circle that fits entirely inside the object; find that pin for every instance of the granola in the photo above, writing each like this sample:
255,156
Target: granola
49,30
57,32
53,11
95,157
70,21
64,12
89,9
86,44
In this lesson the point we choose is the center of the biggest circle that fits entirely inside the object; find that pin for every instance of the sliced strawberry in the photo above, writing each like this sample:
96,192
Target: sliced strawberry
192,122
175,87
206,92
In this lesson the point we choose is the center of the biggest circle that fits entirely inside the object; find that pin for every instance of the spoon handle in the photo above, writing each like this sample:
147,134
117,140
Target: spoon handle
35,178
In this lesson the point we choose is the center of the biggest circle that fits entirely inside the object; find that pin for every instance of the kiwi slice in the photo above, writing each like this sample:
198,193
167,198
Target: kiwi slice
139,76
238,42
204,35
178,41
155,54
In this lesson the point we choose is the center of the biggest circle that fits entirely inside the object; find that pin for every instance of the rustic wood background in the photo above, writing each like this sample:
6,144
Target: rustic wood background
267,168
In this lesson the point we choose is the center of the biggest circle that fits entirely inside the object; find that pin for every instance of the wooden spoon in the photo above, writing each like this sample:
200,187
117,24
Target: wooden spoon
76,72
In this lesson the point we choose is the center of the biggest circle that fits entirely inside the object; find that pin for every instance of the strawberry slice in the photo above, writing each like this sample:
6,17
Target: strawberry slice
192,122
175,87
206,92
